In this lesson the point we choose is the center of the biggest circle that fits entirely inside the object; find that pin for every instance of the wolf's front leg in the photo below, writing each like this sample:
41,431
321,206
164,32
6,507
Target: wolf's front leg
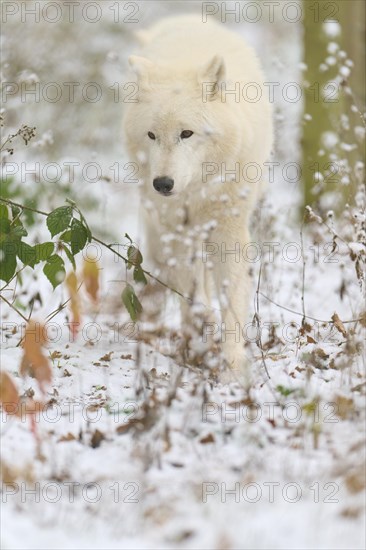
233,286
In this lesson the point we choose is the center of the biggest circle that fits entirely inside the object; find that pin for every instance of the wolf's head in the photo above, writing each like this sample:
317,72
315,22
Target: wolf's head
180,124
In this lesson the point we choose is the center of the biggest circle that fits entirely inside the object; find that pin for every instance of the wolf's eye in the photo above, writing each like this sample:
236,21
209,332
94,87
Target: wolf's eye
186,134
151,135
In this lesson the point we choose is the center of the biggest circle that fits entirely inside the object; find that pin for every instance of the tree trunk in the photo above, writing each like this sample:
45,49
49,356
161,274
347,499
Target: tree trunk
327,163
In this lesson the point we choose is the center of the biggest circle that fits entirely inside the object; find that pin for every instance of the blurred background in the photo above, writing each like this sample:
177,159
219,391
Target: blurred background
58,53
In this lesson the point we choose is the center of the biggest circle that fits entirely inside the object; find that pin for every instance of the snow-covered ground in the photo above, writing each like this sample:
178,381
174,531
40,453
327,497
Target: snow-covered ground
136,449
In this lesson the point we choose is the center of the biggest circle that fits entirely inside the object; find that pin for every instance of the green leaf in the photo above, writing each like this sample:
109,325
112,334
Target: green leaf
4,211
4,229
135,257
139,275
43,251
284,391
30,216
15,210
66,237
128,237
8,261
6,185
79,236
70,256
55,270
26,254
59,220
131,302
17,231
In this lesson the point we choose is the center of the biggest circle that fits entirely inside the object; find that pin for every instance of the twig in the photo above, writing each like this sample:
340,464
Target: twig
126,260
303,275
95,239
61,306
13,277
257,318
14,308
300,314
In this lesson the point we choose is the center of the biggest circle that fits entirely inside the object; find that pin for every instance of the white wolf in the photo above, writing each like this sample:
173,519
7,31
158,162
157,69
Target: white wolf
200,133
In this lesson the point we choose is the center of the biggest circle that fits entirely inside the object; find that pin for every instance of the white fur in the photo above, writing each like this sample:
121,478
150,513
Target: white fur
179,55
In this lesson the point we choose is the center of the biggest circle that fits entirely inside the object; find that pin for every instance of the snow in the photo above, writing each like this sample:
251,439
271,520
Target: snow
281,468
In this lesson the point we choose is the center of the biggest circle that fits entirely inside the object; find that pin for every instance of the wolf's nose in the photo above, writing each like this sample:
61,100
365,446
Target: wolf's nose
163,185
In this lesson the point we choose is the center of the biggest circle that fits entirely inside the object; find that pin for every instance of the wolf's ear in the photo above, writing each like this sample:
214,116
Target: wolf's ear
211,75
141,66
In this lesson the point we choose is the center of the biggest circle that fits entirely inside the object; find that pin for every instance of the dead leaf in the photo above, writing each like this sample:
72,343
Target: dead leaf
345,407
356,481
306,327
34,362
9,396
68,437
209,438
359,387
91,279
123,428
338,324
319,352
351,512
55,355
8,475
246,401
107,357
96,439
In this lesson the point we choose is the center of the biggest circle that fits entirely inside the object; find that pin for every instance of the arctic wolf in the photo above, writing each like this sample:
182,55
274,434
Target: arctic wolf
200,133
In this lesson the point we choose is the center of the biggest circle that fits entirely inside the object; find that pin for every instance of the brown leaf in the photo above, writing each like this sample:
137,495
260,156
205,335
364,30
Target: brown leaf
360,387
352,512
319,352
96,439
345,407
123,428
209,438
355,481
107,357
55,355
34,362
9,396
338,324
68,437
91,279
306,327
8,475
